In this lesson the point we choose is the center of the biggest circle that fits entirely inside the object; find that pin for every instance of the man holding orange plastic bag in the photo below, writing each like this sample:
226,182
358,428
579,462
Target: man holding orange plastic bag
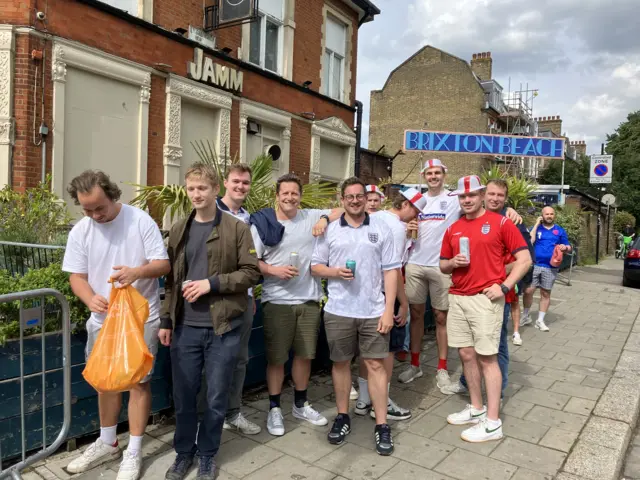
213,262
119,243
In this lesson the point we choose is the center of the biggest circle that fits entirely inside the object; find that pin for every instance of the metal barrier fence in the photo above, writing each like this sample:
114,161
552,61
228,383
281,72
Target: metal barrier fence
31,318
17,258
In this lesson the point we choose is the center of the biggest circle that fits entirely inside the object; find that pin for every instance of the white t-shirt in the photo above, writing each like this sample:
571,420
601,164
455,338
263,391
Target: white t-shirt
298,238
131,239
399,231
371,246
441,212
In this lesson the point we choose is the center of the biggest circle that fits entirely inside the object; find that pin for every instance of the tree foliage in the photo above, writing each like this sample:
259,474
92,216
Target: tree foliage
622,219
624,145
520,189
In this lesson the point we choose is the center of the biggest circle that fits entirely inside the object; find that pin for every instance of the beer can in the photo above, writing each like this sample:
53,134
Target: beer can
414,234
464,248
294,260
351,265
186,282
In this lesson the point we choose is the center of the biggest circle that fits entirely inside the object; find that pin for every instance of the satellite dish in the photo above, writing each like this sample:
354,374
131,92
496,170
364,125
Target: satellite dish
608,199
274,151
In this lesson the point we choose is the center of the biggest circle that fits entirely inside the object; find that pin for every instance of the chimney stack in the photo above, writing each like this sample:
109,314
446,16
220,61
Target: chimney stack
481,64
553,124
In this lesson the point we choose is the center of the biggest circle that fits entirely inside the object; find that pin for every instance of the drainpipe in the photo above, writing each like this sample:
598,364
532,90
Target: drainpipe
358,104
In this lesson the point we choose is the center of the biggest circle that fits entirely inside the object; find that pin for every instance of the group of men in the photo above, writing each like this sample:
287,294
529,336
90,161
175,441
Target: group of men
216,255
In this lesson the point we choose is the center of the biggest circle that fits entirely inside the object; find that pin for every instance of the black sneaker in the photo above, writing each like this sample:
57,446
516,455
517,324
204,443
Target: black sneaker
180,467
384,442
394,412
206,468
341,428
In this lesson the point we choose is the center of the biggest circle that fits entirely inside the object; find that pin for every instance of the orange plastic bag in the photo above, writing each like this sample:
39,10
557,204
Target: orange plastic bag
120,358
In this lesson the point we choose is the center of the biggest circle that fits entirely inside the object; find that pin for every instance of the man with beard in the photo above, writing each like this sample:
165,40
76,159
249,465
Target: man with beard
355,254
290,301
237,184
472,252
545,235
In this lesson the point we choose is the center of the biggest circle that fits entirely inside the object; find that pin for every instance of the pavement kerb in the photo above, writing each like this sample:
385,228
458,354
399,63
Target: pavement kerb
601,446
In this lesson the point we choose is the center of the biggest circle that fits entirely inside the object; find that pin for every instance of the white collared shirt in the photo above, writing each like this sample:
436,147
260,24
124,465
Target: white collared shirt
371,246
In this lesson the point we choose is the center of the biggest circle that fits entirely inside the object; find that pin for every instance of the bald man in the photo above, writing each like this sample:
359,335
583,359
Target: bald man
545,236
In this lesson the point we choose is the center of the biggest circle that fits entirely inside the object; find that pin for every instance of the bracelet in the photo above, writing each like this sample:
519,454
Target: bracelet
326,217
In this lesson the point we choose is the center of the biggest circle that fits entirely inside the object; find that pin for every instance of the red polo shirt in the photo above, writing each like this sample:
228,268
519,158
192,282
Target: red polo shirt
490,236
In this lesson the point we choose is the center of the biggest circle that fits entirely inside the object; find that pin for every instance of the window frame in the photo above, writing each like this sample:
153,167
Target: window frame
263,18
328,89
327,70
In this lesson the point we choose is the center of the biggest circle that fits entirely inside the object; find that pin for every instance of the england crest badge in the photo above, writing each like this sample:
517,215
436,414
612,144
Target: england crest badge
443,205
373,237
486,228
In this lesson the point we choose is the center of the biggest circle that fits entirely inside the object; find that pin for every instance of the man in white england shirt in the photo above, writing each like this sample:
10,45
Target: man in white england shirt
120,242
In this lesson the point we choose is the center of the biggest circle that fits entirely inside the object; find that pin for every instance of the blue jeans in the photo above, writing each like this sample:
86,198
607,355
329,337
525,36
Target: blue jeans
193,349
503,350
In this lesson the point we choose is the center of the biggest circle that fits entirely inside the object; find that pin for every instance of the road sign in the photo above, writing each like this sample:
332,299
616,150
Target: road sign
608,199
601,169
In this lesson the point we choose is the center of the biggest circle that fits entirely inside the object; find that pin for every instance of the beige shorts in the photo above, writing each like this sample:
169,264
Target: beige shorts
475,321
421,281
151,329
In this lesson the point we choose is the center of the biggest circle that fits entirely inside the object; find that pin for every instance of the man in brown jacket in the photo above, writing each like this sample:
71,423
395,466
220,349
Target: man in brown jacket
213,264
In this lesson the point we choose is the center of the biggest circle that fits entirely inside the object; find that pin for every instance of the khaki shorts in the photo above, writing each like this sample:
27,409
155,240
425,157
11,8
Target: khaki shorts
287,326
475,321
421,281
348,336
151,329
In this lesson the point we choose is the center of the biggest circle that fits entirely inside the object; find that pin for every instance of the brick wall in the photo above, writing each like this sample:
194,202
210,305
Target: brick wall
481,64
552,124
434,91
78,21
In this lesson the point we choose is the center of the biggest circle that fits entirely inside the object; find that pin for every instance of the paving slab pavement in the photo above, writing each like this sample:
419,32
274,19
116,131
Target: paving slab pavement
568,414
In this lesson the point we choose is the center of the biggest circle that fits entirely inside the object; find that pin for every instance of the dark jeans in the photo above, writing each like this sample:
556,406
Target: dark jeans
193,349
503,350
239,374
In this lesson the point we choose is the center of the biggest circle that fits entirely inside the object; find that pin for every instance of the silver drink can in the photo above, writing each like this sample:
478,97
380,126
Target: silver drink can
294,260
186,282
464,248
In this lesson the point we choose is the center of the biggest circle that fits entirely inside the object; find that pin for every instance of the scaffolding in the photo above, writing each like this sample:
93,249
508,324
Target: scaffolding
516,118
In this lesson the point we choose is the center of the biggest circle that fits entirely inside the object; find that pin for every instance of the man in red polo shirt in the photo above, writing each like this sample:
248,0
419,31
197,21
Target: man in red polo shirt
476,301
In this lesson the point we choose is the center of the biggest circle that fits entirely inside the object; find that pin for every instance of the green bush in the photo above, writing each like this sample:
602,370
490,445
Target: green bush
49,277
35,216
572,220
622,219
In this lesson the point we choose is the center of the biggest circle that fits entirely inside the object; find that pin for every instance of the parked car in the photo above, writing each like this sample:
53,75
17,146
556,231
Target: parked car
631,272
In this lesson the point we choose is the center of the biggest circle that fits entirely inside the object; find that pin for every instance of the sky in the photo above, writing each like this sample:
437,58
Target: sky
583,56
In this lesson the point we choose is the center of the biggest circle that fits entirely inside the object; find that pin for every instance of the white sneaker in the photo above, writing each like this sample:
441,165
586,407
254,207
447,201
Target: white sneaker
242,424
410,374
454,388
516,339
96,454
130,466
354,393
275,422
542,326
525,320
481,432
310,414
442,378
467,416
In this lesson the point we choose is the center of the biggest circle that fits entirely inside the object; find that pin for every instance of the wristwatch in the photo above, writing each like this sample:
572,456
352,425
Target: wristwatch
504,288
326,217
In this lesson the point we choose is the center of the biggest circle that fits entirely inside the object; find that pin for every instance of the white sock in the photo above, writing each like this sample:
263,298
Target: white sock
477,410
108,435
541,316
135,444
363,391
388,394
493,423
525,313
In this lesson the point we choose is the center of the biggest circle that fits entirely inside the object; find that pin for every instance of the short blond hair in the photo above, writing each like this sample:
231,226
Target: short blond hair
203,171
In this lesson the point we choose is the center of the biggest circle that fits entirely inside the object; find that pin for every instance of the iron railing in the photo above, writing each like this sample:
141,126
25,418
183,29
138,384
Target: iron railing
18,258
30,318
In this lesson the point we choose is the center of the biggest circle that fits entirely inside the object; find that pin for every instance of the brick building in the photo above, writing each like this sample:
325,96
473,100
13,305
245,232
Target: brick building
129,91
432,90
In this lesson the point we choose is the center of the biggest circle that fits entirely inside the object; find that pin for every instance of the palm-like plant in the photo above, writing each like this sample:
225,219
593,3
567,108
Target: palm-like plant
520,189
173,198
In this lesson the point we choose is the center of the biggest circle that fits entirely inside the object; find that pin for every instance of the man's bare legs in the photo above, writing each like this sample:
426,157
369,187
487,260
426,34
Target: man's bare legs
416,329
377,387
139,408
341,374
476,368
